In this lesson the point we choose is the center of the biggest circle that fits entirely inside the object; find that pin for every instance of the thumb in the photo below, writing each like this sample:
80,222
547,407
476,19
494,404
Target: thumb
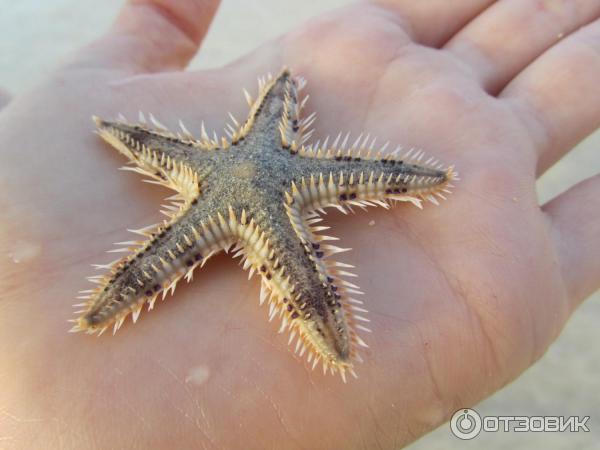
153,35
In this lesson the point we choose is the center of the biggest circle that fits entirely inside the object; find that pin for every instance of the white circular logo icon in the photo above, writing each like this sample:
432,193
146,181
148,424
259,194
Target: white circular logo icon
465,423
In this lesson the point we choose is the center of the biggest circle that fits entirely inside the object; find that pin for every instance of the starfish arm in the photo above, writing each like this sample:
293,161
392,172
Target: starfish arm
333,177
153,267
303,287
276,113
294,130
174,161
340,295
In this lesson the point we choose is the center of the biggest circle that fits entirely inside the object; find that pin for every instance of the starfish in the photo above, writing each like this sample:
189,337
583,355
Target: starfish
260,192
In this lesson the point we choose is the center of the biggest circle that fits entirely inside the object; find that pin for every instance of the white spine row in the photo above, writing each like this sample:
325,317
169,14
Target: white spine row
369,190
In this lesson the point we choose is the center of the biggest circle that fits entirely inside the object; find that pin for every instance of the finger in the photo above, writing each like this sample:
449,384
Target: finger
556,97
509,35
575,217
433,22
4,98
154,35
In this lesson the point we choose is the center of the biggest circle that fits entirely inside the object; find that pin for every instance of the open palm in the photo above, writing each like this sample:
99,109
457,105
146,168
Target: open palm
462,297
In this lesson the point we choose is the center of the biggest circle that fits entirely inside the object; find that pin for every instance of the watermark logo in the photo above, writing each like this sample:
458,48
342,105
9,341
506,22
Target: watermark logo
467,423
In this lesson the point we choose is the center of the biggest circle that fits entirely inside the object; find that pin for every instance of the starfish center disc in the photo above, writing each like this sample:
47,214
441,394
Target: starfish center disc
246,170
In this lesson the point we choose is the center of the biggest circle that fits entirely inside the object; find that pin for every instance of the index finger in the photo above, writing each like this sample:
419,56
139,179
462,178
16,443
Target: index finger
152,35
434,22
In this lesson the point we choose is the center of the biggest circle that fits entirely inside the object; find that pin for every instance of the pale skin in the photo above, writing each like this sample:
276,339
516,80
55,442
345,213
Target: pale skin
462,297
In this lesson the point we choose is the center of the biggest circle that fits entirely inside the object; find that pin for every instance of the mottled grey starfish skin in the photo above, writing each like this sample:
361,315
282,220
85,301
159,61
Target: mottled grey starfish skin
269,185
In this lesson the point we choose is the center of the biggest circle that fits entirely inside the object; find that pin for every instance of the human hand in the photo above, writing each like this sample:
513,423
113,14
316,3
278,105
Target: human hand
462,297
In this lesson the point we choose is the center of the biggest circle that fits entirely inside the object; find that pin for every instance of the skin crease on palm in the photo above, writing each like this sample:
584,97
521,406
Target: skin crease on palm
462,297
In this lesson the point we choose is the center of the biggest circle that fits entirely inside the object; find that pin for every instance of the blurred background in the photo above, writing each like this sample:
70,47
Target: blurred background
37,34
